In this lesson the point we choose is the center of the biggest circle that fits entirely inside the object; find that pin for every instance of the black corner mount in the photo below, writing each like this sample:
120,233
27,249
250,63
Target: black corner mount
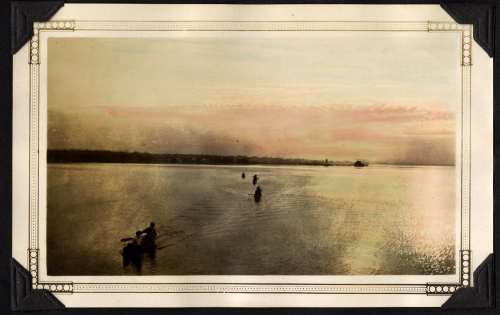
24,14
23,297
482,295
482,16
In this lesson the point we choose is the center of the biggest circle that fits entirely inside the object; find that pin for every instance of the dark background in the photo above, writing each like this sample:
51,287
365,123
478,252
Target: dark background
6,179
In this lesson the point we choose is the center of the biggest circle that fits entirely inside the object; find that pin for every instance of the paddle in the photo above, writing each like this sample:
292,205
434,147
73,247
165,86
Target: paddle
165,246
129,239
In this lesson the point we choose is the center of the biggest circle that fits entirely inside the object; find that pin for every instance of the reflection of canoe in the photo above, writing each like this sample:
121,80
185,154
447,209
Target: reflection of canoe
148,247
131,250
131,253
134,252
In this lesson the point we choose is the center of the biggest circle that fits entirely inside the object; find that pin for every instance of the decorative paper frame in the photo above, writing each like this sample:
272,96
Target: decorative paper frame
60,288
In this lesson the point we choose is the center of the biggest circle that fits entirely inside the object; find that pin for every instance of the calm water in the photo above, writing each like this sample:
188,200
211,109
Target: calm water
310,220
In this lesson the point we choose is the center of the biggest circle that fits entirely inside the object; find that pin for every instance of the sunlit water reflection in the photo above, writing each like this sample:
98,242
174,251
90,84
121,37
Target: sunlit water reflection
310,220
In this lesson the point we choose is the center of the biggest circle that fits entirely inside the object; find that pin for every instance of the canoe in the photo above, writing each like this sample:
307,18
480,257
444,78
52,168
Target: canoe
134,252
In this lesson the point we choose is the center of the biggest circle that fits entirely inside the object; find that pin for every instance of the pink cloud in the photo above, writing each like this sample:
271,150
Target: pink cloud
111,110
377,132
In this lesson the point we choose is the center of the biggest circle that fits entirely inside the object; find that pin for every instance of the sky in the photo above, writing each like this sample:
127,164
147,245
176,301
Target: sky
375,96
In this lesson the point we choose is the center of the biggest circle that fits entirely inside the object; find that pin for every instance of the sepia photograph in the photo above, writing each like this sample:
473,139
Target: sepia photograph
287,155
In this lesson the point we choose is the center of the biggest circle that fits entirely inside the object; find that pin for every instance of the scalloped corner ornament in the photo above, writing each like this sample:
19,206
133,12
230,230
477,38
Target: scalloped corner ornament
466,31
47,26
70,26
450,288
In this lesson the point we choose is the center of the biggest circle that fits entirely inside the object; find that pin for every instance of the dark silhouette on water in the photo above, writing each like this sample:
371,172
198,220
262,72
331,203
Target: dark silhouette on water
132,252
136,241
243,175
258,194
149,239
359,164
255,178
104,156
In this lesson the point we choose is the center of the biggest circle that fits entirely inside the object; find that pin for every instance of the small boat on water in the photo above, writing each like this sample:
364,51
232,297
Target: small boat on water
258,194
255,179
133,252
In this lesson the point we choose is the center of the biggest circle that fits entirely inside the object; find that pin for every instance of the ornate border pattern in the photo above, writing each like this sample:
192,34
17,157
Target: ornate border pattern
34,61
449,288
252,26
430,289
248,288
466,63
59,287
37,28
466,31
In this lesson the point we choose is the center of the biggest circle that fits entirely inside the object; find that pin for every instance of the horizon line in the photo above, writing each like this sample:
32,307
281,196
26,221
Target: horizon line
368,162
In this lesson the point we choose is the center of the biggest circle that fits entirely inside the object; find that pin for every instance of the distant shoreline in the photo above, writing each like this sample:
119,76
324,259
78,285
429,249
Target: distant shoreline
104,156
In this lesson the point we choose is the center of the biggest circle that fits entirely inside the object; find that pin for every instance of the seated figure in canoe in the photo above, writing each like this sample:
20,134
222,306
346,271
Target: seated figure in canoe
136,241
148,241
258,194
132,251
255,178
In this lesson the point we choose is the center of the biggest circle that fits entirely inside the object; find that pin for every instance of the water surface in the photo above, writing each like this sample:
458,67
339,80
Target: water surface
310,220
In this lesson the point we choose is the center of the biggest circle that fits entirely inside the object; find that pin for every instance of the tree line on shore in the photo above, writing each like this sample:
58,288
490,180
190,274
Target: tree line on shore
105,156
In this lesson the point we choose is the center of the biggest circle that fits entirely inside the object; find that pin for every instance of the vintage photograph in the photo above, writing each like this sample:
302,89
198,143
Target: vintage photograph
292,154
252,156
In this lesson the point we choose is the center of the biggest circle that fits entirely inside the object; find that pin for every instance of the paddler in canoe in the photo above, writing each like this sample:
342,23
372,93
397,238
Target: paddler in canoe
132,251
255,178
258,194
148,241
137,240
139,245
150,233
